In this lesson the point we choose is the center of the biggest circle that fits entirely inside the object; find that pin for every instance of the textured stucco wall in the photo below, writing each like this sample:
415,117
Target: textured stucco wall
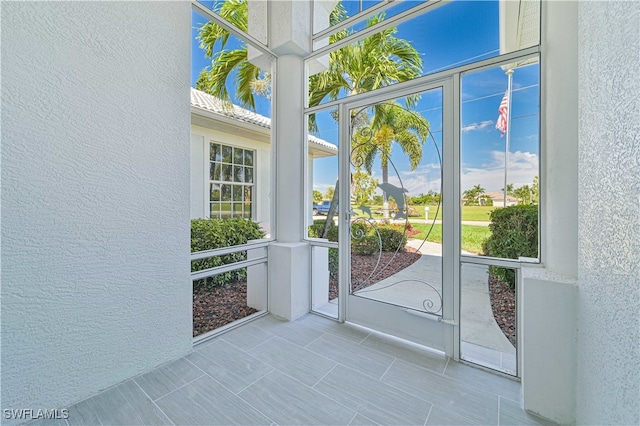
609,219
95,195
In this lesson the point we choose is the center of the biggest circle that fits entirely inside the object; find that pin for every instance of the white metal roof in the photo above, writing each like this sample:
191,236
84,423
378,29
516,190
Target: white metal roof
211,104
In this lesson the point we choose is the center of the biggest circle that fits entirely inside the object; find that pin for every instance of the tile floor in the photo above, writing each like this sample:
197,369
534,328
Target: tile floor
311,371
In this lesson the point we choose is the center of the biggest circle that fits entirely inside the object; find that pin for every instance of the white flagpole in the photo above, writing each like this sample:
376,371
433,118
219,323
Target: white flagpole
508,132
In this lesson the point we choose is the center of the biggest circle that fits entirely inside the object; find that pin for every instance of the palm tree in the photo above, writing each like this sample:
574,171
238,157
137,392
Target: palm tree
391,123
249,78
472,195
376,61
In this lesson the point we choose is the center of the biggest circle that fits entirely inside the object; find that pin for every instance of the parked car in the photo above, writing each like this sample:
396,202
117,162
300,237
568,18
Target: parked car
321,208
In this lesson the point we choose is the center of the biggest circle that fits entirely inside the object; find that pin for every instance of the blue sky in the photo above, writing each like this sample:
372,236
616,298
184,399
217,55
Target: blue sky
458,33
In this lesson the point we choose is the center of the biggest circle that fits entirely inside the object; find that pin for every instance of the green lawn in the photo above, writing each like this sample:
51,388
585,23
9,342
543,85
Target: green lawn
472,236
473,213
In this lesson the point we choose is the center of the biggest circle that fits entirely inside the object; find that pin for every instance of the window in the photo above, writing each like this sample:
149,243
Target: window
231,181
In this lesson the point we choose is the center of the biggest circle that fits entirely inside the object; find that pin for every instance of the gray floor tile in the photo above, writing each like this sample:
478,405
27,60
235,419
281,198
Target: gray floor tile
246,337
207,402
326,325
125,404
377,401
512,414
406,352
295,332
45,422
168,378
232,367
360,420
460,398
287,401
297,362
484,380
441,417
351,354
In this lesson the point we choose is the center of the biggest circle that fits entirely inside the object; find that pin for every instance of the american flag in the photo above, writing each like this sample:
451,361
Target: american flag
501,122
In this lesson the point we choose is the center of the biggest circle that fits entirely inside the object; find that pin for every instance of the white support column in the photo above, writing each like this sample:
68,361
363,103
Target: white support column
288,25
289,258
547,299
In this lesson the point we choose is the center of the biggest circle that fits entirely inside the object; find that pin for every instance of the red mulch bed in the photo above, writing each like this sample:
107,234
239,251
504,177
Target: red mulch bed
219,306
503,305
362,266
222,305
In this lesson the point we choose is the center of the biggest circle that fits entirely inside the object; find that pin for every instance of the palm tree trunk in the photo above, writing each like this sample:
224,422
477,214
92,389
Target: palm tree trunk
332,211
385,199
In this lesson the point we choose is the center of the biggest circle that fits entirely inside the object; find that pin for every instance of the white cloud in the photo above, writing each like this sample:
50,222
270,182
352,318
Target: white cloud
477,126
419,181
322,187
523,166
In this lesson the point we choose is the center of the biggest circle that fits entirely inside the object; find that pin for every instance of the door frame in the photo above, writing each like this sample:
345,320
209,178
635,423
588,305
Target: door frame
443,332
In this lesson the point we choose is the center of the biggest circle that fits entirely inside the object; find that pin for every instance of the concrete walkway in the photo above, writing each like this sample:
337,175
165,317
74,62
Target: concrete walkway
482,338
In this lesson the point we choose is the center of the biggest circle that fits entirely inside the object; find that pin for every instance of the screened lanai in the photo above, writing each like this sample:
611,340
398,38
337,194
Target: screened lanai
403,212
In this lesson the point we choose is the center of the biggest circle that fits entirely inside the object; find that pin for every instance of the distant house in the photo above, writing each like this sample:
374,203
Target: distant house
498,199
231,160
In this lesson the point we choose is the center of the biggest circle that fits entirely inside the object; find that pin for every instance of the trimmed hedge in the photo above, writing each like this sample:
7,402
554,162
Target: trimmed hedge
209,234
514,233
364,239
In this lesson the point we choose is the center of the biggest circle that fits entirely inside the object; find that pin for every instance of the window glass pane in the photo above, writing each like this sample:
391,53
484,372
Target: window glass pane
214,53
214,153
238,174
226,173
491,156
351,8
214,171
225,210
238,156
226,192
247,212
237,210
488,323
450,35
234,12
215,210
248,174
247,195
227,152
323,149
248,158
237,193
215,192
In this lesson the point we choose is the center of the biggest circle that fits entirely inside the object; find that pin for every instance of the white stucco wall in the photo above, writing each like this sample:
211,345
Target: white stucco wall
609,217
95,195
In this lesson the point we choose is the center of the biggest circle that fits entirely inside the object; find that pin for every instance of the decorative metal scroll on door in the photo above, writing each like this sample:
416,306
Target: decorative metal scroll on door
366,234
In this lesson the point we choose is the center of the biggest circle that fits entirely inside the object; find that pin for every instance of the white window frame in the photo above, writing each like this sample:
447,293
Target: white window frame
209,181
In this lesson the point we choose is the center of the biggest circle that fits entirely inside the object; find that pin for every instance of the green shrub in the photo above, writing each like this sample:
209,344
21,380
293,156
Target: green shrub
315,230
366,245
334,263
364,238
392,237
514,233
209,234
